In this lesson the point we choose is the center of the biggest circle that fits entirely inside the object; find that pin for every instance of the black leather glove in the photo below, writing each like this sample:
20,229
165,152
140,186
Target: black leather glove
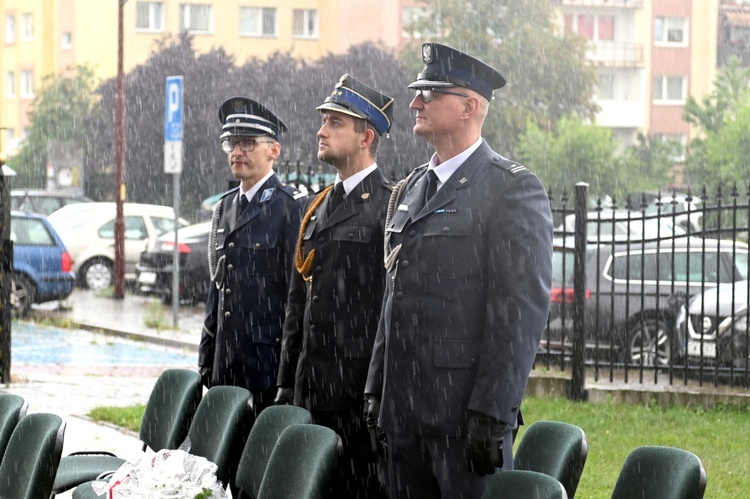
284,396
206,372
484,444
372,412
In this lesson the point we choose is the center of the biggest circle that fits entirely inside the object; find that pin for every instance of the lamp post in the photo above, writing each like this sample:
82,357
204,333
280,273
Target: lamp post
6,266
119,268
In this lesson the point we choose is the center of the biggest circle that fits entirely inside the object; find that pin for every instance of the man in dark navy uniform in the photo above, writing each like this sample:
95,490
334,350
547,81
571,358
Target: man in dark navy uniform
337,290
251,248
470,262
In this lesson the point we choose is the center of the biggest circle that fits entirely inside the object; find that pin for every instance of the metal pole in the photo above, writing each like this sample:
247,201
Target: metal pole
6,271
577,381
119,270
176,251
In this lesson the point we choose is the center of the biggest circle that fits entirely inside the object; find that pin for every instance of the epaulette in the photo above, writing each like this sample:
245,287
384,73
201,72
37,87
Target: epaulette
292,191
508,165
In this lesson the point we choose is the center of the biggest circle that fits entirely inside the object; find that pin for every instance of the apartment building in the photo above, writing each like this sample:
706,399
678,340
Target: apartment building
650,55
46,37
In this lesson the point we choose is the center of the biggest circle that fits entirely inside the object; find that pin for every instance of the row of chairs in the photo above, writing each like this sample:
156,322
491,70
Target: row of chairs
551,455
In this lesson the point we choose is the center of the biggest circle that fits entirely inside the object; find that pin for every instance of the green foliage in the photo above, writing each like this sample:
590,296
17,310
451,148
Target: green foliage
128,417
548,77
649,164
57,114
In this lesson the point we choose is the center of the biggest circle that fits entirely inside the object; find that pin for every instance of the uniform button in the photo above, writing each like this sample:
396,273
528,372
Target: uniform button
473,361
351,235
321,239
227,291
227,315
318,268
313,327
446,229
514,408
399,295
405,263
396,325
278,340
257,245
412,233
230,267
315,298
230,245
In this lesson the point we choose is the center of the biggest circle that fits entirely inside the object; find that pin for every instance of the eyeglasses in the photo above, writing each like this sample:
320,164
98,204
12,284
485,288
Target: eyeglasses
245,145
426,93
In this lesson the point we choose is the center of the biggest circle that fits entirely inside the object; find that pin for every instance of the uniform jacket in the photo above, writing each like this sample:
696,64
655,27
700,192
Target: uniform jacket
242,331
467,300
331,322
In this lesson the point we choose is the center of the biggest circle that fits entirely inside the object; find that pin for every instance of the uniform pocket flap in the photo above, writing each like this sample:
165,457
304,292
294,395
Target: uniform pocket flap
353,233
257,241
448,225
456,353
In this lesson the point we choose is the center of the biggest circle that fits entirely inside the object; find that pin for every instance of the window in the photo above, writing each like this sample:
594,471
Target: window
195,18
305,23
590,26
149,16
605,85
66,40
27,26
671,89
10,28
135,229
670,31
10,84
27,84
29,232
257,21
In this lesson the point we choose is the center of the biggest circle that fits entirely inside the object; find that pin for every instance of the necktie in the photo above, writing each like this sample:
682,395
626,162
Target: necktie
432,182
243,202
337,198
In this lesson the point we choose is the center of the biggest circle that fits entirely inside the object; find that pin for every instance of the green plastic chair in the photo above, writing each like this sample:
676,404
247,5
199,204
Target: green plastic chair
218,432
661,473
28,467
269,425
12,409
523,484
165,423
301,464
556,449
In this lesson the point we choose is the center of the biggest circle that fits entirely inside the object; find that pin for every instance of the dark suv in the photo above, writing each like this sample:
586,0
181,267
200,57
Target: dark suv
633,292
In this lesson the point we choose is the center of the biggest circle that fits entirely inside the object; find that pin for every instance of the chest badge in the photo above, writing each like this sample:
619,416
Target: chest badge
463,180
365,195
267,194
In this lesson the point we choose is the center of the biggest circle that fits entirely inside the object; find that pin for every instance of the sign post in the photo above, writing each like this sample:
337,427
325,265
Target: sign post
173,113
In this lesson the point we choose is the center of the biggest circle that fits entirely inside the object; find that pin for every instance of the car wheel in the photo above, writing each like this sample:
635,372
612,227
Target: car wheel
97,274
22,296
649,344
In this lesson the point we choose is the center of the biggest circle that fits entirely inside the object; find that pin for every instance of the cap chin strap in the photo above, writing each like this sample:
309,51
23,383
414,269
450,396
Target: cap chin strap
443,77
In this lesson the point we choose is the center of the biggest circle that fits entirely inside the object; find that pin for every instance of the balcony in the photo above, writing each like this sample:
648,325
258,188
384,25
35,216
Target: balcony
621,113
633,4
615,54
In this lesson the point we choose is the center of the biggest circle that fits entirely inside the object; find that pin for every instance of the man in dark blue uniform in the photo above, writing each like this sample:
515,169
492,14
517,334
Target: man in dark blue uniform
336,293
469,257
251,248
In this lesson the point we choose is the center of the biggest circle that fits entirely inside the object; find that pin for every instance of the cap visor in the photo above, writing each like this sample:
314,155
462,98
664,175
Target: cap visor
332,106
431,84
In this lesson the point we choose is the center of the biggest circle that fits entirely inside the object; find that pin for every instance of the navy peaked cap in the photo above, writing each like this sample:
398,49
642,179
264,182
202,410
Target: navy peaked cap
356,99
445,66
246,117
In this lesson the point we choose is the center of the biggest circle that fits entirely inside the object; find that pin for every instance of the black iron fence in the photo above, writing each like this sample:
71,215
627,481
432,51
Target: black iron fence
651,289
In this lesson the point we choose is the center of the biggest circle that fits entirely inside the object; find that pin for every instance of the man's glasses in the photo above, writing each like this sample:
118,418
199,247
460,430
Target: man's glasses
245,145
426,93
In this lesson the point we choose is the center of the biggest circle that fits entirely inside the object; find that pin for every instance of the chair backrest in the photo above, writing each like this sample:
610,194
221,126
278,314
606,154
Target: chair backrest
220,427
663,472
301,463
556,449
170,409
260,443
523,483
12,409
28,468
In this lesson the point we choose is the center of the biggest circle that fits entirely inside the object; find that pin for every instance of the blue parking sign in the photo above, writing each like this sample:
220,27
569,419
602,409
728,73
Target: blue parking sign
173,110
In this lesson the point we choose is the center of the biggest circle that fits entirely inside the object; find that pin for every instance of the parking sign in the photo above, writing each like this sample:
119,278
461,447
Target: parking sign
173,125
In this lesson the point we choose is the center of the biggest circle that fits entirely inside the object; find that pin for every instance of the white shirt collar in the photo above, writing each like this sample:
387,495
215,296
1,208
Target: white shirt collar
356,179
254,189
445,169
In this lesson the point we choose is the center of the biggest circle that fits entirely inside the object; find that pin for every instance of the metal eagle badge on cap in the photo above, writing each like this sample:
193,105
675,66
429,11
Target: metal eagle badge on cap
427,53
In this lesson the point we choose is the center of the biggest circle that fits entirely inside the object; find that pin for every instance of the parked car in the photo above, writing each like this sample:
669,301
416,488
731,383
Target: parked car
714,325
683,213
608,226
42,267
155,267
89,234
631,292
43,202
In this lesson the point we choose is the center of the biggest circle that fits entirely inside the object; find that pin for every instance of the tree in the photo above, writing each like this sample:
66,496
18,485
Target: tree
650,163
56,114
548,77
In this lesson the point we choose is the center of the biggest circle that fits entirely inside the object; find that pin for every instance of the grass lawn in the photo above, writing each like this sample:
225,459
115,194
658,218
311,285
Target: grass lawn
717,436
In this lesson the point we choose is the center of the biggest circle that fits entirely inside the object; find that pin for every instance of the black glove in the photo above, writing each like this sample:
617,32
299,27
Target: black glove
484,444
206,372
372,412
284,396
